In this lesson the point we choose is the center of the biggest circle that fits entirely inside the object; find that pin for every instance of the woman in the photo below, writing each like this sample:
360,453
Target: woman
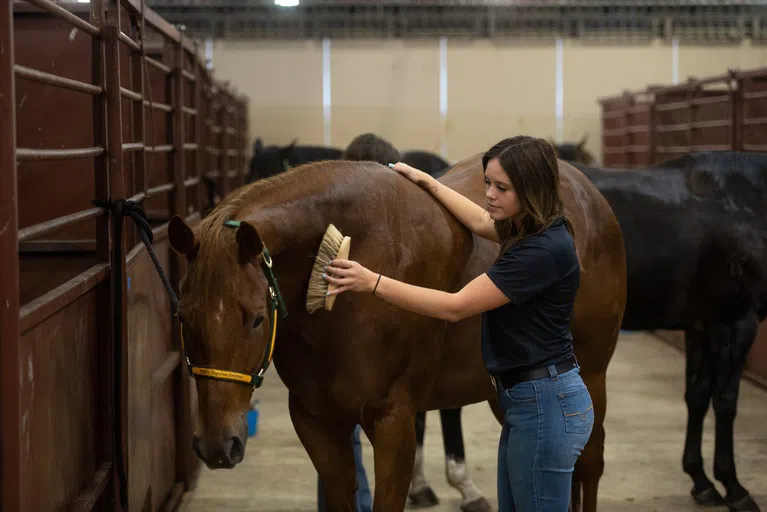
526,301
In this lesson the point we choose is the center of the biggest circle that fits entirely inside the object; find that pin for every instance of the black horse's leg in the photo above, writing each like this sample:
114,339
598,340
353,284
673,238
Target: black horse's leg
455,463
421,494
730,361
699,388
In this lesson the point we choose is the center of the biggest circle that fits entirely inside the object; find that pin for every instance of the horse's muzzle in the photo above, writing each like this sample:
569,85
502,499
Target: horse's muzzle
219,455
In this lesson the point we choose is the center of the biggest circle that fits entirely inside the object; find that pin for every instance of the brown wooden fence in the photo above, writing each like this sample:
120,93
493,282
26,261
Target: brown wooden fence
726,112
99,101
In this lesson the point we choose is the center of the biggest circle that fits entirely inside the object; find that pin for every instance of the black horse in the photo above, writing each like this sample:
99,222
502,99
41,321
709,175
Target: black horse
271,160
574,152
695,229
426,161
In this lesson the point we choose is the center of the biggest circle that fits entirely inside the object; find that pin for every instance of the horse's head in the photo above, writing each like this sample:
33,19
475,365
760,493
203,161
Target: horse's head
270,160
571,152
228,309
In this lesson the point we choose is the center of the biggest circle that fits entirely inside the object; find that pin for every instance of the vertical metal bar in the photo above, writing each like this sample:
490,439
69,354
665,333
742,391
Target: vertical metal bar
736,95
443,81
116,191
220,98
10,362
326,97
652,132
178,205
223,123
245,137
199,123
105,306
559,102
675,61
139,79
237,138
181,407
211,142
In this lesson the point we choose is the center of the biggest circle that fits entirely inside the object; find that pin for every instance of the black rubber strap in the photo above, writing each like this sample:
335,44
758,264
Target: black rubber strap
119,209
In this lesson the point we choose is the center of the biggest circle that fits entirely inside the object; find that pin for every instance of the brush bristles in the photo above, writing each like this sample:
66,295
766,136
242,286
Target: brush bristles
315,294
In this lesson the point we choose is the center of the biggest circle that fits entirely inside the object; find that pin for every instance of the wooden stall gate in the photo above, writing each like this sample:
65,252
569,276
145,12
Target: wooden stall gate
725,112
100,101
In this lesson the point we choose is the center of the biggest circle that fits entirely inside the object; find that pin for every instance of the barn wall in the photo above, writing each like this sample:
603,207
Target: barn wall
591,71
496,91
386,87
284,83
392,87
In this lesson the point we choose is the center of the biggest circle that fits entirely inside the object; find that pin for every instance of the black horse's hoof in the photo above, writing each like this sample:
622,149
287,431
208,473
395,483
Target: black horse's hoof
478,505
708,497
424,498
743,504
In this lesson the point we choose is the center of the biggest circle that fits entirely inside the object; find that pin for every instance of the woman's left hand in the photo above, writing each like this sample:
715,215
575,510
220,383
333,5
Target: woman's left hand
349,275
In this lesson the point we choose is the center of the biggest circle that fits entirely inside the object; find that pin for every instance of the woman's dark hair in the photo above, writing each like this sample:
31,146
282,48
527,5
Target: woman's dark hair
531,166
371,147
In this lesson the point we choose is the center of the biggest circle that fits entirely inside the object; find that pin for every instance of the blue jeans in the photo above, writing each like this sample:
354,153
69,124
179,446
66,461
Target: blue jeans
547,423
363,498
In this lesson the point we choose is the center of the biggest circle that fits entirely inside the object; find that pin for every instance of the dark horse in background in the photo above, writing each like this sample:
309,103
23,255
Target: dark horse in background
694,229
574,152
272,160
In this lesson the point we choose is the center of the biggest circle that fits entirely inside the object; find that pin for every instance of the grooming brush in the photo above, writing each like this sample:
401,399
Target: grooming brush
334,245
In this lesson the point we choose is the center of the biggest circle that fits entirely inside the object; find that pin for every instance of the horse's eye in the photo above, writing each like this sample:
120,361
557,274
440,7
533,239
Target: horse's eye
258,320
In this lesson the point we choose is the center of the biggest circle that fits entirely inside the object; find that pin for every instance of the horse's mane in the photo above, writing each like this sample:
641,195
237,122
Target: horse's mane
216,262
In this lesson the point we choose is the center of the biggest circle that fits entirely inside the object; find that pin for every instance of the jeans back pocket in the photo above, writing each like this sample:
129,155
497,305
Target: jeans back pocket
578,410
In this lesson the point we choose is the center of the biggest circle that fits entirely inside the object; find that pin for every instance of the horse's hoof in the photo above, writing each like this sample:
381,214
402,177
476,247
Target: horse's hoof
478,505
424,498
708,497
743,504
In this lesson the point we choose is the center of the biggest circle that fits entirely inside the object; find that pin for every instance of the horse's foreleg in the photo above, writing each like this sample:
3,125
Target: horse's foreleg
731,358
591,464
698,389
456,470
421,494
393,438
330,450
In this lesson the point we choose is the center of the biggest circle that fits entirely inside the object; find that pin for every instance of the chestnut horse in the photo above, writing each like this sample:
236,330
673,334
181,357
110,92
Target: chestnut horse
367,362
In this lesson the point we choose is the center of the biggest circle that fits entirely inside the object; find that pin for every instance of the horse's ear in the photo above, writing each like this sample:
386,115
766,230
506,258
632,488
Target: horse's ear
583,140
258,146
249,244
287,150
182,238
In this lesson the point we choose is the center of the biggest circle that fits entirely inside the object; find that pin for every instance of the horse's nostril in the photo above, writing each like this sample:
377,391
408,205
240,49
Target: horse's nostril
236,450
196,448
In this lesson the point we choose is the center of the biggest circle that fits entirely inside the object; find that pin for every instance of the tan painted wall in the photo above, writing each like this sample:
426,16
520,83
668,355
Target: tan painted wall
494,90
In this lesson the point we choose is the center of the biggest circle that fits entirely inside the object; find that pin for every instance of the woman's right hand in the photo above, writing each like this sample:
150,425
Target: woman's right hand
417,176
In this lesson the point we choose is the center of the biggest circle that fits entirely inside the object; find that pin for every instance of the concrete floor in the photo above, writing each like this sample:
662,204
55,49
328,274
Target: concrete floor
645,428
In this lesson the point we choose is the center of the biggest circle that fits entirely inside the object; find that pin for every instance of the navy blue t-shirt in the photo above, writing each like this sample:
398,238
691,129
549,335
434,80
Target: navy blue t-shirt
540,275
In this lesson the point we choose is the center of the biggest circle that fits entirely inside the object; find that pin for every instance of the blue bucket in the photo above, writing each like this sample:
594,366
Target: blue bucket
252,422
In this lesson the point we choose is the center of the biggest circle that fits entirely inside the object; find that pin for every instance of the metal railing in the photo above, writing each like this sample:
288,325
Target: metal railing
723,112
125,122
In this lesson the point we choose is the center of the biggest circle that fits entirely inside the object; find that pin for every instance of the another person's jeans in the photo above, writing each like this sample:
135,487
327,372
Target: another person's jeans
363,498
547,423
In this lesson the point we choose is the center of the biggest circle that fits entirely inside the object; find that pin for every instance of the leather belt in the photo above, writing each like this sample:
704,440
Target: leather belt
510,379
